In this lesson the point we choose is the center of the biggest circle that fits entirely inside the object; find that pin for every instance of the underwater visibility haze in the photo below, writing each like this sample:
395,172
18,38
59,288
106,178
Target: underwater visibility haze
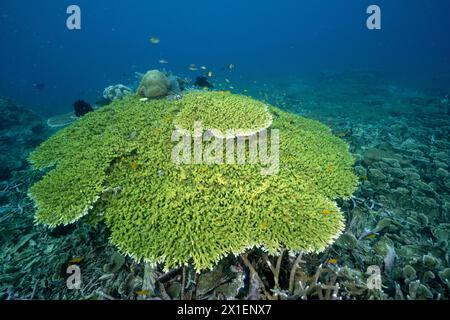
204,150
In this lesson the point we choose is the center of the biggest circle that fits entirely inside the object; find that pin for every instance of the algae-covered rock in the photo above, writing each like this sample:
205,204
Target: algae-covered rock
409,273
428,276
115,263
441,232
445,275
418,291
429,261
347,241
174,290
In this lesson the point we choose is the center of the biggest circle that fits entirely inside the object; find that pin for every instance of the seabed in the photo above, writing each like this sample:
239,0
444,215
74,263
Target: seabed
398,220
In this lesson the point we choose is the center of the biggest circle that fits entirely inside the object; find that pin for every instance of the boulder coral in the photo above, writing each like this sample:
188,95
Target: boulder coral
154,84
115,163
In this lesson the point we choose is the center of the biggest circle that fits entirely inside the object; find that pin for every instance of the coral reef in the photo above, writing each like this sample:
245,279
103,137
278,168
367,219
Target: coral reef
119,157
116,92
20,131
61,120
397,221
154,84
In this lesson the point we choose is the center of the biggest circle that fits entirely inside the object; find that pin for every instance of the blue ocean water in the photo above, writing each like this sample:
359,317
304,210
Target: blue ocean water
385,92
264,38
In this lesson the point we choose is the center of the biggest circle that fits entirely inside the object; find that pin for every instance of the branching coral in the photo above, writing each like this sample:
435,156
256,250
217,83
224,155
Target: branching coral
117,162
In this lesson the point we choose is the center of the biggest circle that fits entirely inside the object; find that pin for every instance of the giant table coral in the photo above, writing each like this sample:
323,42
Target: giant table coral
116,163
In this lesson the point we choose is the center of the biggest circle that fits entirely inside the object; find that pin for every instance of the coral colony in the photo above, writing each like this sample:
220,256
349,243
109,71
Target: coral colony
116,164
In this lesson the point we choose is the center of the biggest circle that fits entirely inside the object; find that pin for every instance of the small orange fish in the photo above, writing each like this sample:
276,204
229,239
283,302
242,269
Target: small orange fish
76,260
332,261
143,293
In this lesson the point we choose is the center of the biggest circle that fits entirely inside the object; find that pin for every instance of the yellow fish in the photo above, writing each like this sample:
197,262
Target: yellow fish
154,40
332,261
134,165
372,236
327,211
76,260
142,292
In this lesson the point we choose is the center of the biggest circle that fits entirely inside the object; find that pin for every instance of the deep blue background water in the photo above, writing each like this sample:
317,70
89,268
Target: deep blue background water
265,37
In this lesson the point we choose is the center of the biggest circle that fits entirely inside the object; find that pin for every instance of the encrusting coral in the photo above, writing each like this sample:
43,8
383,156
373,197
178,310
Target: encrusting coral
116,163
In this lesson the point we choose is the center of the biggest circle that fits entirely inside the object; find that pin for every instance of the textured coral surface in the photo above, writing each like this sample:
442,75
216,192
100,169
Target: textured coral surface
116,163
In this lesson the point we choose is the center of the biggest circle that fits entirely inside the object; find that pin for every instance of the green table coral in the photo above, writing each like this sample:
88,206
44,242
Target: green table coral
116,163
229,113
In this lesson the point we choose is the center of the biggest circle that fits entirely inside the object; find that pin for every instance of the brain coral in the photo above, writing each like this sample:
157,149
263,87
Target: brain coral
154,84
116,163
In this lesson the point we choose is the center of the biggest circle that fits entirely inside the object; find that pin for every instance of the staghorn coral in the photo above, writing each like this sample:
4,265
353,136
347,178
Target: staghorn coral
116,162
